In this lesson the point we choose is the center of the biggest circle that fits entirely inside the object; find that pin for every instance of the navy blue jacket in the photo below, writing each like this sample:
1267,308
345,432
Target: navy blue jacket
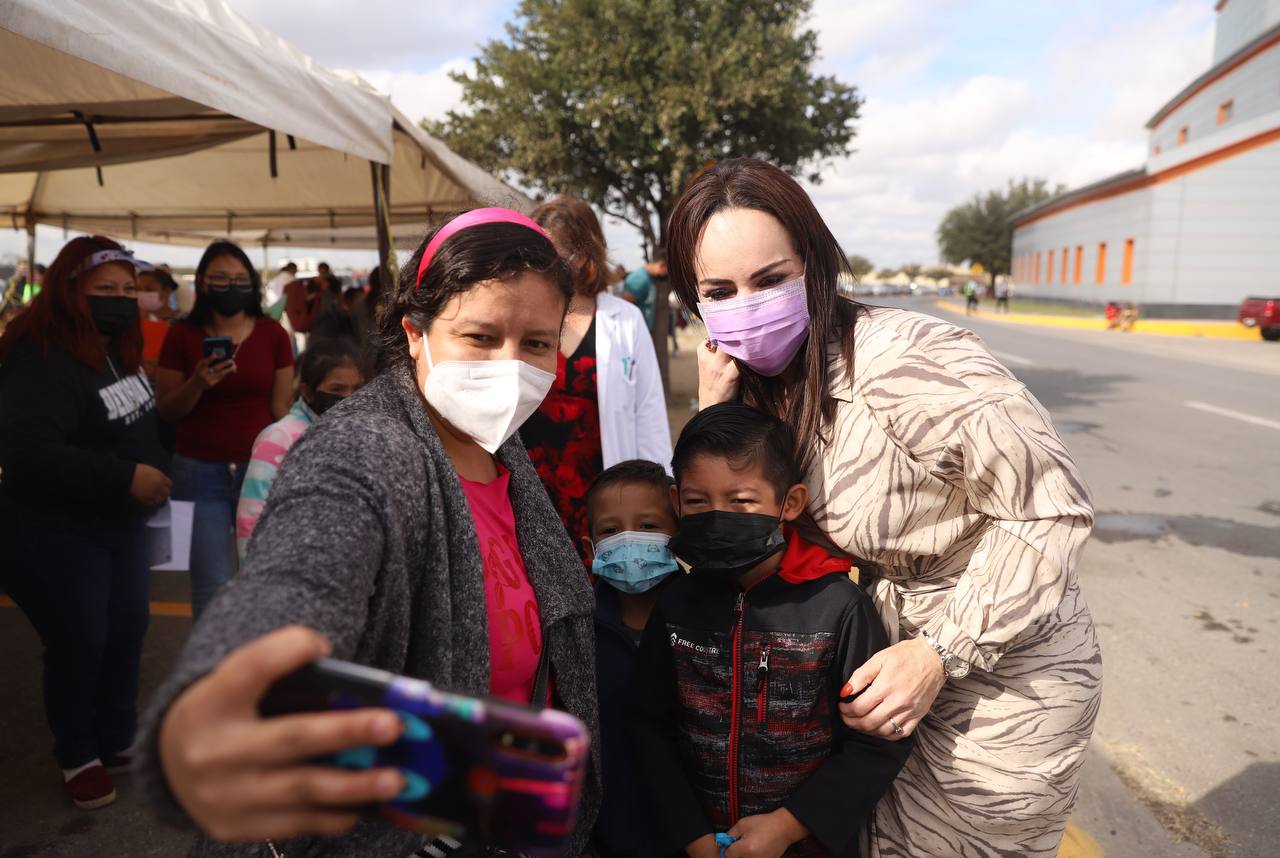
621,829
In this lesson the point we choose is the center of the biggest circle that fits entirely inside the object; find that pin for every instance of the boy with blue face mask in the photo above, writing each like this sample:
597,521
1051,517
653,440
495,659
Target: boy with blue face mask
734,707
631,520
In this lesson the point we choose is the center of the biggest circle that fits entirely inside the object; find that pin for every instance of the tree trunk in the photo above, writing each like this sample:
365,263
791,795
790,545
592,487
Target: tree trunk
661,329
661,313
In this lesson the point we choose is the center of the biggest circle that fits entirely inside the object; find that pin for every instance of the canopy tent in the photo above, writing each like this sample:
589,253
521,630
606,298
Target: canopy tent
318,197
161,77
180,121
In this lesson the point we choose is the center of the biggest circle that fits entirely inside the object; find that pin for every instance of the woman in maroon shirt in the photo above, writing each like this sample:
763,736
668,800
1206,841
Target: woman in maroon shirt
221,407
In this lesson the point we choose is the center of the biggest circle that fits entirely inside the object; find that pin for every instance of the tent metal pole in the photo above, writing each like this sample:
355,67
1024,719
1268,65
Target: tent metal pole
31,249
381,175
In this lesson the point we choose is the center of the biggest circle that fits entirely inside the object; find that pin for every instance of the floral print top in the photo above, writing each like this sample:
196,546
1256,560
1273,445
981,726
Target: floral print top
563,436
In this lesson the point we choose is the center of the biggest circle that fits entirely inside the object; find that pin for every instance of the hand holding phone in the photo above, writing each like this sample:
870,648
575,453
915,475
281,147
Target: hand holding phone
507,775
242,777
219,349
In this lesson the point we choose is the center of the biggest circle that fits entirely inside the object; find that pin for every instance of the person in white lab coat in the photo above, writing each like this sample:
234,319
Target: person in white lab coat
607,404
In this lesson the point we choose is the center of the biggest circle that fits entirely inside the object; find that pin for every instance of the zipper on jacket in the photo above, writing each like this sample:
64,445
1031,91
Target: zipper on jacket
735,712
762,685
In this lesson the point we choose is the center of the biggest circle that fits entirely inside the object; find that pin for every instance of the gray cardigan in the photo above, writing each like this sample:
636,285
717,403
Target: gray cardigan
367,538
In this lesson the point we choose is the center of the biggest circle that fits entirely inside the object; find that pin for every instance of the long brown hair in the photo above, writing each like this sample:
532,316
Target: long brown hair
577,229
59,316
750,183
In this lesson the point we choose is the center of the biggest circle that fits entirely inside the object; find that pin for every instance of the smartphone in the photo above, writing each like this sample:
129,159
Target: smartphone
218,348
508,775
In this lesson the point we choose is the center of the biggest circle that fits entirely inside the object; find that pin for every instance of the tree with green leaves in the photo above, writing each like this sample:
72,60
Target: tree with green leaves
938,273
623,102
886,274
912,269
860,265
981,230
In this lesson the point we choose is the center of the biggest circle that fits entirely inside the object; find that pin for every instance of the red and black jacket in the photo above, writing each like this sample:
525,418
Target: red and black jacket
734,706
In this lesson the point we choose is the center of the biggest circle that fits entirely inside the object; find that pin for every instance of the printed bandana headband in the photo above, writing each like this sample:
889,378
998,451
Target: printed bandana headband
104,256
475,217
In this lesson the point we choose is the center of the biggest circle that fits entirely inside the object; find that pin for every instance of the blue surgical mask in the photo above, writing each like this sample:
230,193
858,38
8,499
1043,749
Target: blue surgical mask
633,561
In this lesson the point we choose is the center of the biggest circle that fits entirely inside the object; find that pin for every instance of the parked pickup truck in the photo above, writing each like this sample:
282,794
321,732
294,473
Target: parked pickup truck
1262,313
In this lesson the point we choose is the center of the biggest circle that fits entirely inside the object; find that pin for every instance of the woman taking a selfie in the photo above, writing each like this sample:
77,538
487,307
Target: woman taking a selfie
937,470
407,531
82,468
220,404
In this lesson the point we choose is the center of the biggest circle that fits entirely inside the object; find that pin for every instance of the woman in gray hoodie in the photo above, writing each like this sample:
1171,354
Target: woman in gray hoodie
407,530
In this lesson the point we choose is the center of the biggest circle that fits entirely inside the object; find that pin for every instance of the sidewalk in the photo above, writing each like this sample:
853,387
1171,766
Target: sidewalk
1159,327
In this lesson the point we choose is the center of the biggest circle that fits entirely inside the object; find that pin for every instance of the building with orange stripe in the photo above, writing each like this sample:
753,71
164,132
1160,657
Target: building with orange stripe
1197,227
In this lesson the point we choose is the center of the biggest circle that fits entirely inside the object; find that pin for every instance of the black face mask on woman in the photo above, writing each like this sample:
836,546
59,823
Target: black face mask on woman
727,545
229,301
113,314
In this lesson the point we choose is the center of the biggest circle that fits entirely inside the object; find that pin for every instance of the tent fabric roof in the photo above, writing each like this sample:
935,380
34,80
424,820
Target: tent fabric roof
148,63
318,197
243,137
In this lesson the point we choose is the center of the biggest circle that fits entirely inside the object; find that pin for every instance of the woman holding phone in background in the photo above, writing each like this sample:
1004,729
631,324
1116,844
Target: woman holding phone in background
220,406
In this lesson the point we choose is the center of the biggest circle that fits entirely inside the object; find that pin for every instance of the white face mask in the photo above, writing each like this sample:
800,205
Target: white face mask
486,400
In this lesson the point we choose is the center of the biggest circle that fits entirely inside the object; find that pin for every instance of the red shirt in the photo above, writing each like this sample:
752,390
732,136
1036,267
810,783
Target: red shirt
223,425
153,336
515,624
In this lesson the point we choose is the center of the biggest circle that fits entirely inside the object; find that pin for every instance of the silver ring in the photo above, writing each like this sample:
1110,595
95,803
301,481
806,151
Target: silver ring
896,728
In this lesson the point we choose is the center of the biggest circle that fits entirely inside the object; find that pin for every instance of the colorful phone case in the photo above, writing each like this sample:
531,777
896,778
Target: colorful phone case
508,775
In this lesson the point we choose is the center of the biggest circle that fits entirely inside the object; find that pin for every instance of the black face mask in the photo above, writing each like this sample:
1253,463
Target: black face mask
229,301
727,545
320,402
113,314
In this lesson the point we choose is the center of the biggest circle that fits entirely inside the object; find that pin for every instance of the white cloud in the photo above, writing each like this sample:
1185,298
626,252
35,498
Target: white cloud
421,95
1118,76
396,34
845,28
1076,116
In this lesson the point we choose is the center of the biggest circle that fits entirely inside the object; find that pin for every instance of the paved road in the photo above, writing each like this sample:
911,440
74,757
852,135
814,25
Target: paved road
1180,442
1183,577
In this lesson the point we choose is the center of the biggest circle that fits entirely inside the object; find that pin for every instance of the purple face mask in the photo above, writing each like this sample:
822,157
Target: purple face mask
764,330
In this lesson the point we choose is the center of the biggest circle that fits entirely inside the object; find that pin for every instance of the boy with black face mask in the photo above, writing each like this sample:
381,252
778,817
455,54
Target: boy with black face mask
734,712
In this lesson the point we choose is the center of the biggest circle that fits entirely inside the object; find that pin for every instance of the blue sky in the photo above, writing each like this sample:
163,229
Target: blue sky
962,95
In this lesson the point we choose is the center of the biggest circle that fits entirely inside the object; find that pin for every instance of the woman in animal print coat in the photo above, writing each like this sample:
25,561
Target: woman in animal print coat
940,474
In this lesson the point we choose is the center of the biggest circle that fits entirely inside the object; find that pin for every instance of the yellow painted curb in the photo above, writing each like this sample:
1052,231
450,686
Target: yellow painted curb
1159,327
1077,843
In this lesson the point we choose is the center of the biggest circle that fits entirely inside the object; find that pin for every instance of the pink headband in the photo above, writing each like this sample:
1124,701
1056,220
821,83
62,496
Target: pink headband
475,217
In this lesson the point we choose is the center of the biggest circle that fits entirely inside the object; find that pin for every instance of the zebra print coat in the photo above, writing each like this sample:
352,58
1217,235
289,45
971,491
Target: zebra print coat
946,480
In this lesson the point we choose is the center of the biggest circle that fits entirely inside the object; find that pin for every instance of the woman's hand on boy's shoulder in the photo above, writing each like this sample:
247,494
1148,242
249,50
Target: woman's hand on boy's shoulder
894,690
767,835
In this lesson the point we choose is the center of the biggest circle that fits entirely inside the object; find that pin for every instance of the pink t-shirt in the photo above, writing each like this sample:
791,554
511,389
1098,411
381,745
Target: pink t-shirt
515,625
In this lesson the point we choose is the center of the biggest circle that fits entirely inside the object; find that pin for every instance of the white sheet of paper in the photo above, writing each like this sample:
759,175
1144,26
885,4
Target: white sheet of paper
174,518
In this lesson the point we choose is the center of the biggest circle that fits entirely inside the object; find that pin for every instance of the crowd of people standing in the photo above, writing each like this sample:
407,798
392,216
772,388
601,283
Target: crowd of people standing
435,522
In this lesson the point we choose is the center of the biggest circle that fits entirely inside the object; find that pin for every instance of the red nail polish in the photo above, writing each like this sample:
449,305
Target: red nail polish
847,691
